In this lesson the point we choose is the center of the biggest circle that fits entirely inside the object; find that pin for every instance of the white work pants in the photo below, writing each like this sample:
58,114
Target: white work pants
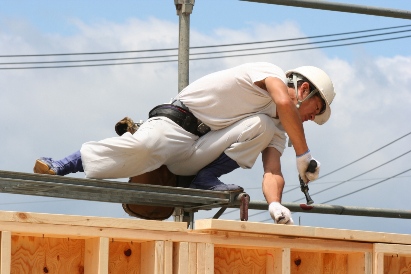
159,141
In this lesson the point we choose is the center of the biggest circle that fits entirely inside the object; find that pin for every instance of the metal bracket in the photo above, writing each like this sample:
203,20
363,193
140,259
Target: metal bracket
180,215
184,6
244,199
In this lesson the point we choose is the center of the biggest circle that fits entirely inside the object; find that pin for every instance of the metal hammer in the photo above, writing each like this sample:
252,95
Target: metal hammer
304,187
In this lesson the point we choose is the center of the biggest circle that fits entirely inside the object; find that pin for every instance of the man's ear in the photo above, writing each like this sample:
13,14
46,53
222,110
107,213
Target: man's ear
306,87
304,90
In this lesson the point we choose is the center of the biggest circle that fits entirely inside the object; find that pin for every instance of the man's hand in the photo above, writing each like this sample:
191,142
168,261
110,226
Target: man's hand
280,214
303,161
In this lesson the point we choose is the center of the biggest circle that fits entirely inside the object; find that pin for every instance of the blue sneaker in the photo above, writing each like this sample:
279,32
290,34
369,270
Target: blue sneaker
207,178
44,166
70,164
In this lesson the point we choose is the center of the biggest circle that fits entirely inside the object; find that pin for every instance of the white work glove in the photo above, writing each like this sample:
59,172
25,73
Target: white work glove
303,161
280,214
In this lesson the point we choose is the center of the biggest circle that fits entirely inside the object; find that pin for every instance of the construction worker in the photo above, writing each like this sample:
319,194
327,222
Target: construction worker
216,124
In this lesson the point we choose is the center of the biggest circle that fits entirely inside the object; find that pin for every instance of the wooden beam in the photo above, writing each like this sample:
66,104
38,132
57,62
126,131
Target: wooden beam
180,265
392,258
74,220
205,258
5,252
96,255
302,231
154,257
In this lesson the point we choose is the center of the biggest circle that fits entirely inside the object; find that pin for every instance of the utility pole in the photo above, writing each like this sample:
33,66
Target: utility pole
184,9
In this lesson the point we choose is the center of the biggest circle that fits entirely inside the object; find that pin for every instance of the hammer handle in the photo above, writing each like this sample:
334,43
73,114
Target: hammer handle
312,166
304,188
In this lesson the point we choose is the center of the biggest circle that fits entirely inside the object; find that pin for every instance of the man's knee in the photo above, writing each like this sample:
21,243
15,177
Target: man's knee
261,126
267,122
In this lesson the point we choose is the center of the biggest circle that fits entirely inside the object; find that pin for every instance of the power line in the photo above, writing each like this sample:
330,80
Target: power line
353,162
358,190
174,56
200,47
368,171
340,183
200,53
205,58
345,195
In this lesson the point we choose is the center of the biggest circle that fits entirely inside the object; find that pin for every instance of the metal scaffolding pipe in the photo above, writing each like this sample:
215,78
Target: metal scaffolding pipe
184,9
338,210
335,6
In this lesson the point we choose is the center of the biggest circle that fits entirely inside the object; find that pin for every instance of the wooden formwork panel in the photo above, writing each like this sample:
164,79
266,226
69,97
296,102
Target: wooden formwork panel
124,257
392,258
46,243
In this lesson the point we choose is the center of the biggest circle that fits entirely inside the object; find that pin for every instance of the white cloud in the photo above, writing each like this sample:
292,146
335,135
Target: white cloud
51,112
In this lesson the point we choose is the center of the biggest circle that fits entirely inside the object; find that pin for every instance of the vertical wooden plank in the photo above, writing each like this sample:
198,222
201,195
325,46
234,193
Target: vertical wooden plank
378,263
159,257
205,258
180,265
192,258
5,252
278,261
209,258
168,257
368,262
96,255
152,257
201,262
286,261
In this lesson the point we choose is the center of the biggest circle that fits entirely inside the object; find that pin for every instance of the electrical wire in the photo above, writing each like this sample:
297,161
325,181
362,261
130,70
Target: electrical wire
405,153
203,58
355,161
202,47
358,190
200,53
368,171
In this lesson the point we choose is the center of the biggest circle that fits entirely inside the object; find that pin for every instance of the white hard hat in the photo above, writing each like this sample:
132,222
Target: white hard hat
322,83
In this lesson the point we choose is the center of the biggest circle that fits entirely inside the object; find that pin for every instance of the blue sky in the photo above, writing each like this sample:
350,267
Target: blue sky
55,110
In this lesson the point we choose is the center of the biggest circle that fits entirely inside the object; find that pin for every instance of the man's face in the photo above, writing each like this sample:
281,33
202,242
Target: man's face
310,108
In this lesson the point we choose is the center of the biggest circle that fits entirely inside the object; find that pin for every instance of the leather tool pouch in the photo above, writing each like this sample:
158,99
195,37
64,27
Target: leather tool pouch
161,176
178,115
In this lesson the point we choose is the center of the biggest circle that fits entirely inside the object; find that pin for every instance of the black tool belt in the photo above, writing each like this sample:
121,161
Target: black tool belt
181,115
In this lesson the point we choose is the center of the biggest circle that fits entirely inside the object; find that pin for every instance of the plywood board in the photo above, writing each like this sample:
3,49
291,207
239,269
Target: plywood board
124,257
47,255
239,260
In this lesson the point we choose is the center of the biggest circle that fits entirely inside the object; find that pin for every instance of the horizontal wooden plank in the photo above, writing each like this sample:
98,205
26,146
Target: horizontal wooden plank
75,220
226,239
393,249
302,231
